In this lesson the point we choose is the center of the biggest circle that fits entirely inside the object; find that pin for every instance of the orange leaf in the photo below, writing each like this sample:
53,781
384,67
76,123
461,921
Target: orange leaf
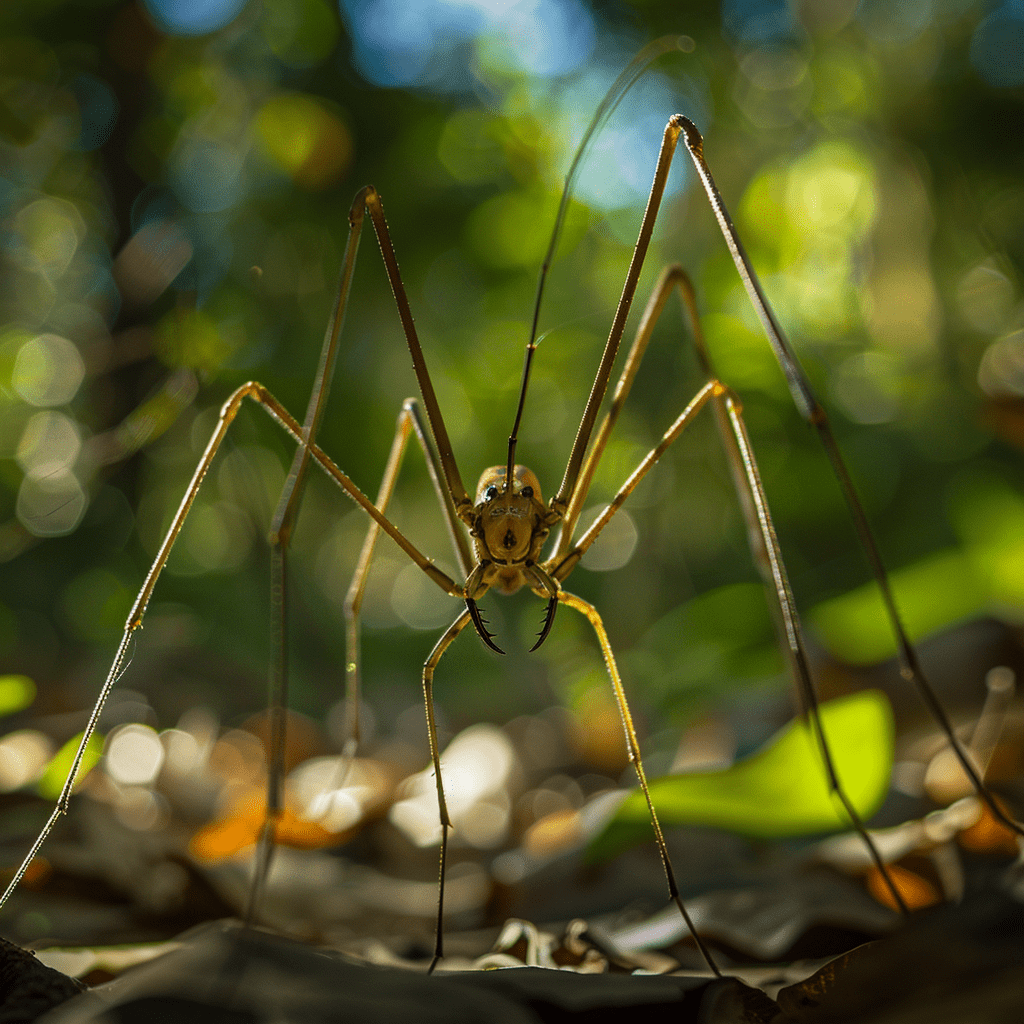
987,835
917,892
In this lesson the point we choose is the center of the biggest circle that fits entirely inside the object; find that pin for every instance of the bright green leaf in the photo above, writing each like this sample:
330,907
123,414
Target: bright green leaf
16,693
52,780
931,595
778,791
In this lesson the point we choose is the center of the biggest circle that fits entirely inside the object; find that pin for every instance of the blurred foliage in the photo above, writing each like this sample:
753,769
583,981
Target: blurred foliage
54,777
778,791
16,693
175,180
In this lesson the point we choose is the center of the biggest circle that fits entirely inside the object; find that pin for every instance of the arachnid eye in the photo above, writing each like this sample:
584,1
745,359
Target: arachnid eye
491,493
527,492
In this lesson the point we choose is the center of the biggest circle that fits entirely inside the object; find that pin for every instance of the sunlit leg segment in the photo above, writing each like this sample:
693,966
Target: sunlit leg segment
440,647
633,749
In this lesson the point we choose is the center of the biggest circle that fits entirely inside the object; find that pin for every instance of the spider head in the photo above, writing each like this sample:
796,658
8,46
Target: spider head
509,520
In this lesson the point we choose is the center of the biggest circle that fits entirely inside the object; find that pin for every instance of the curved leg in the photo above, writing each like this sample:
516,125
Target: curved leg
814,413
286,514
562,564
440,647
625,81
633,748
680,127
611,346
366,201
768,558
259,394
760,530
671,277
369,201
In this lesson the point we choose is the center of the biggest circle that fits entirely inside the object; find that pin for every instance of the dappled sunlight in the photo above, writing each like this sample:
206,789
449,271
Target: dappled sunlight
134,755
615,544
305,139
477,768
23,756
338,793
48,370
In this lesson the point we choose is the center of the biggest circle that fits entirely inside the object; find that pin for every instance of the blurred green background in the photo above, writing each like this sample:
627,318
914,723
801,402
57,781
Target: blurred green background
153,154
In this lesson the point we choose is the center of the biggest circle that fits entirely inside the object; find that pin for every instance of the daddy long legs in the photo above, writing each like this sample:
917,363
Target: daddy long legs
501,534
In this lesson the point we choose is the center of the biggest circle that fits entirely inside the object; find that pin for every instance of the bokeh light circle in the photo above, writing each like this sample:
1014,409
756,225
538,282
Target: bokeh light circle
193,17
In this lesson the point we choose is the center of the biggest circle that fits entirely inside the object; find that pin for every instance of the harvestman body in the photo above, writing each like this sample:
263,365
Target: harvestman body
508,520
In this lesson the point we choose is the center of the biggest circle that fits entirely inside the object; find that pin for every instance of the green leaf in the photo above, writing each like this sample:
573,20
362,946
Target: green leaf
931,595
51,782
16,693
778,791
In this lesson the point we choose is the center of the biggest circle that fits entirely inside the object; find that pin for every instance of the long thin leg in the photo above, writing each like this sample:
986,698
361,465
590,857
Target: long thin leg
765,545
813,411
294,487
440,647
678,277
229,411
369,200
409,421
561,565
612,98
277,709
760,529
611,347
767,556
671,277
282,526
633,749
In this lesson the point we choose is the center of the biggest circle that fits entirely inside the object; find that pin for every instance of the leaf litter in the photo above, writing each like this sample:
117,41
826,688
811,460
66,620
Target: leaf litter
782,918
